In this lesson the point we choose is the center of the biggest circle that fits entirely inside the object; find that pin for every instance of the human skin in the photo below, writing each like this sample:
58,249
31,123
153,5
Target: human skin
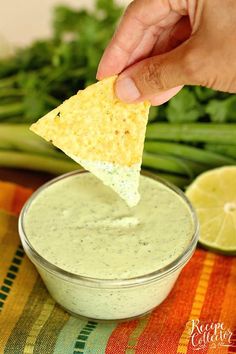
161,45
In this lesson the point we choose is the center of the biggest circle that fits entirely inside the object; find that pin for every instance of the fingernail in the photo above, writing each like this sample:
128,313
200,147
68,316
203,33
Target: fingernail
126,90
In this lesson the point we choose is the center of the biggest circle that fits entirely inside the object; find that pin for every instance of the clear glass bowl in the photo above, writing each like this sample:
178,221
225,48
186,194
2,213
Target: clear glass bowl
108,299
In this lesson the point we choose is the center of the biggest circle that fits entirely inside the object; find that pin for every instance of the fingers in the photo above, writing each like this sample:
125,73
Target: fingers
140,19
173,36
160,73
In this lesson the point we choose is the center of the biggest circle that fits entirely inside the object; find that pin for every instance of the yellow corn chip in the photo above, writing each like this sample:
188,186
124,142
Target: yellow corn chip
102,134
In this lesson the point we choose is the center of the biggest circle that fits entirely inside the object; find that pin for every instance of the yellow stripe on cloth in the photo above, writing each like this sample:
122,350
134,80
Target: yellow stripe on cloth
198,301
7,249
44,315
22,282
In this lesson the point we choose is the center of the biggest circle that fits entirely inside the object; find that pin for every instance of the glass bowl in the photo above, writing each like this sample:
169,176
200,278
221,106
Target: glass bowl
104,299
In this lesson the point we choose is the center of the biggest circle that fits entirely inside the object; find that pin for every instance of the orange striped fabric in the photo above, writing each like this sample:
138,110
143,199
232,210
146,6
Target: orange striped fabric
198,316
13,196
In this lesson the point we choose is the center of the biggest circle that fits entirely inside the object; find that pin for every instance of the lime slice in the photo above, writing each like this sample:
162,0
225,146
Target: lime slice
213,195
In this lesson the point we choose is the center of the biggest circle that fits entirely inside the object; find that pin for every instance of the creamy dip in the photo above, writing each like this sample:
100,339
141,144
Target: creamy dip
84,227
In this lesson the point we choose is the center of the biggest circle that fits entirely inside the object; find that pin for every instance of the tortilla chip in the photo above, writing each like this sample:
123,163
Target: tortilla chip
102,134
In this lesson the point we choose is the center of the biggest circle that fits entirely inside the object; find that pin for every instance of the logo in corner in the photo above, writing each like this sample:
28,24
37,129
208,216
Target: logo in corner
210,335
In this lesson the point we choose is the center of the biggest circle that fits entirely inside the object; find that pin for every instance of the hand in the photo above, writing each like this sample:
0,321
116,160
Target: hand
161,45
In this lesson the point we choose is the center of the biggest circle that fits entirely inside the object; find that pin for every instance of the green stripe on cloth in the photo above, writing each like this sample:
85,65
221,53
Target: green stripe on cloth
32,309
83,337
11,275
67,337
97,341
137,332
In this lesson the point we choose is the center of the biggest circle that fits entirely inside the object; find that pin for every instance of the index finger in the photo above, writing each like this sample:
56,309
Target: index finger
133,30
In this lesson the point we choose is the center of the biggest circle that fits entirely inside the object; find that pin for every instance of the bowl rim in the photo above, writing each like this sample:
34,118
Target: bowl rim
161,273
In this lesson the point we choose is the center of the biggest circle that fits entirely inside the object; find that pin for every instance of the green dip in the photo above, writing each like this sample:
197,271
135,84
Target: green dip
85,228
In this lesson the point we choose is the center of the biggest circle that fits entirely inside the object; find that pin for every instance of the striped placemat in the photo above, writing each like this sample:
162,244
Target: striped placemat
199,315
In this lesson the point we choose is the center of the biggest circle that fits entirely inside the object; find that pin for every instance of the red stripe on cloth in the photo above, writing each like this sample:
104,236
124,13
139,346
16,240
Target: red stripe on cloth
214,297
216,289
13,196
232,347
167,322
229,317
7,191
19,198
169,319
118,341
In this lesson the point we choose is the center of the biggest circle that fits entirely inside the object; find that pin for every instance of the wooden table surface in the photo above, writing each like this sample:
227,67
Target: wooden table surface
29,179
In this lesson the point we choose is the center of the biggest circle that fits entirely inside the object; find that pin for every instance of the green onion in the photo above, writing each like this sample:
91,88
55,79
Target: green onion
172,164
12,109
167,164
8,82
10,92
228,150
209,158
193,132
36,162
19,137
177,180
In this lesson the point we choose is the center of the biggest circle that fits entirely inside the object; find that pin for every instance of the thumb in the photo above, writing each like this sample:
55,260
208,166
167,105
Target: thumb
158,74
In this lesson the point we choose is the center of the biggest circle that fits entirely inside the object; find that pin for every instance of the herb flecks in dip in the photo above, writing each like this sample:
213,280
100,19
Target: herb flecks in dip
84,227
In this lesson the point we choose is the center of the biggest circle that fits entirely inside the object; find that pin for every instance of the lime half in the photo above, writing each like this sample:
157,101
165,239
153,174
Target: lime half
213,195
